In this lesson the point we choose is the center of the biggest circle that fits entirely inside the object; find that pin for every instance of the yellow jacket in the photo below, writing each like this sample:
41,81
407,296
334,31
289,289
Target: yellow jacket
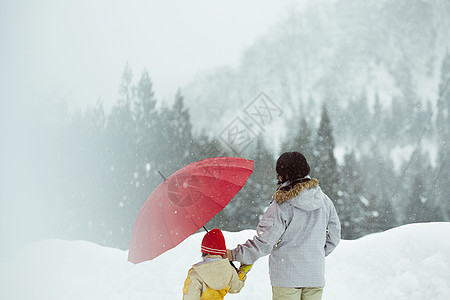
211,278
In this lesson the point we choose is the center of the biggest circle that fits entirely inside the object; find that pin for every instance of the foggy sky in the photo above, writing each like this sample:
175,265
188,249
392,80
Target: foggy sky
77,50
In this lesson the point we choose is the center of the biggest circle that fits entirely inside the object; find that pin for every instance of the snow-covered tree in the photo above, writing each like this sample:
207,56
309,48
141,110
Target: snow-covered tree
323,163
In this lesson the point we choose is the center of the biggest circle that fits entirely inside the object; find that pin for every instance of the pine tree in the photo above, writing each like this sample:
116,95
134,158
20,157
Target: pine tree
94,167
442,174
144,106
378,120
182,130
262,184
420,208
442,120
441,181
324,165
146,122
420,205
174,137
398,122
142,119
123,179
387,214
205,147
372,215
126,89
303,139
353,205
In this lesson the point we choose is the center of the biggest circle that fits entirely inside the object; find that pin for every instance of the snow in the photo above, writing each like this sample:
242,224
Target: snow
408,262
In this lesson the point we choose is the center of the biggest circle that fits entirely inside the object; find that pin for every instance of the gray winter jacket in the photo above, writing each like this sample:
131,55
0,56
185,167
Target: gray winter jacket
298,230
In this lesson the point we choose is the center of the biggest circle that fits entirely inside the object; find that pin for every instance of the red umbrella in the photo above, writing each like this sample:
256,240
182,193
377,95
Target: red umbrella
185,202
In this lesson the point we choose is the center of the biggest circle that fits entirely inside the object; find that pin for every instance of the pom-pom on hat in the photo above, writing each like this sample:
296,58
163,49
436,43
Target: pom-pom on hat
214,243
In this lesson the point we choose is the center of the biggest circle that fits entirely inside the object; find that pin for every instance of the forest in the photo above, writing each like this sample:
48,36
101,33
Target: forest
105,164
361,88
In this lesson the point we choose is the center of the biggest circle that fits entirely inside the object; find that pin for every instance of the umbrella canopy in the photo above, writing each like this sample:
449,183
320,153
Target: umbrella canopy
185,202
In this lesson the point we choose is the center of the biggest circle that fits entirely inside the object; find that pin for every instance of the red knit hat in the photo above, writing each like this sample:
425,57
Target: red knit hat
214,243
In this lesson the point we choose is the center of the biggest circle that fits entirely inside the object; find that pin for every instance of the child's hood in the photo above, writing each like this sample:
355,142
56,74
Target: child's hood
216,273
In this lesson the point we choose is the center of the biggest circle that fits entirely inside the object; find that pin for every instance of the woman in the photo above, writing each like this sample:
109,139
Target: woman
298,230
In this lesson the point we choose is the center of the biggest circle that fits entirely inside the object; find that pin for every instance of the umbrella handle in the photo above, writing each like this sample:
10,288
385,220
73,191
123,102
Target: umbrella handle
231,263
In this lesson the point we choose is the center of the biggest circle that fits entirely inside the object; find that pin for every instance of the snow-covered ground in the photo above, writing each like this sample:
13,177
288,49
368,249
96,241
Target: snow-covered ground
408,262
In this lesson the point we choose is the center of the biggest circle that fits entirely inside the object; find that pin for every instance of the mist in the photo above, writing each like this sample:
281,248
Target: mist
97,97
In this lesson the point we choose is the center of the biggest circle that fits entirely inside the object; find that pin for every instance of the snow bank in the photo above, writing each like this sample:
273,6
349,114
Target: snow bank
408,262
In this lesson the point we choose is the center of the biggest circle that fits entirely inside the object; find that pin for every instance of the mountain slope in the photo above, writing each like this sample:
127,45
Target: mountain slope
333,52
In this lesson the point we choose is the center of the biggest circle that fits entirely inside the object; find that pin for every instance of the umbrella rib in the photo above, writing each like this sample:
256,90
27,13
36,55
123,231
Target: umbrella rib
213,166
228,182
188,213
239,186
196,224
171,239
139,221
214,200
173,243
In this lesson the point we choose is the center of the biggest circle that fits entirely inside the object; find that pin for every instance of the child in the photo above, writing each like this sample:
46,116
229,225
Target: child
214,276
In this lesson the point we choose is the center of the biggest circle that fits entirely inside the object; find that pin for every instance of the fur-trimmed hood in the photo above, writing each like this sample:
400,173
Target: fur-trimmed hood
304,195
